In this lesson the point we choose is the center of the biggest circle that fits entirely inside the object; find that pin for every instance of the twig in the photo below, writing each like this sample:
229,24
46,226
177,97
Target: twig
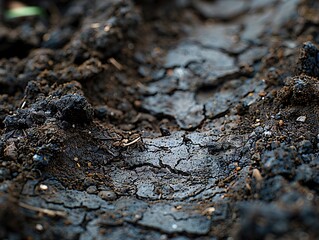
51,213
116,64
130,143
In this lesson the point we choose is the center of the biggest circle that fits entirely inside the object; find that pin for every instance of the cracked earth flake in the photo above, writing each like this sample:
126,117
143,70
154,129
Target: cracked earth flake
285,12
218,103
74,198
219,36
166,85
252,54
180,79
222,10
96,230
180,105
210,75
255,25
217,106
161,217
146,190
187,53
261,4
132,209
268,22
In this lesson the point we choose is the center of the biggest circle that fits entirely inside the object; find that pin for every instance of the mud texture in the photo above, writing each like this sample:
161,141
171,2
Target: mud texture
163,120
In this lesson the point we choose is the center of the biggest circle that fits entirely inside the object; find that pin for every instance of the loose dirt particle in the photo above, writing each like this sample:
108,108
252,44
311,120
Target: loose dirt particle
301,119
257,175
43,187
107,195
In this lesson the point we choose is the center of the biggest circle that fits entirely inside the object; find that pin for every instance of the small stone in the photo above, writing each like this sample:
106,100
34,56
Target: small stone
43,187
91,189
301,119
39,227
107,195
41,160
278,116
267,133
179,207
209,211
281,123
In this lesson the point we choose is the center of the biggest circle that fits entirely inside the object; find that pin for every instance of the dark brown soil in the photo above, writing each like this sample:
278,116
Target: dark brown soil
184,119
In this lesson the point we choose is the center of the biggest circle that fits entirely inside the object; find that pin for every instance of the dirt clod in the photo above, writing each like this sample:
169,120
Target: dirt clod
74,108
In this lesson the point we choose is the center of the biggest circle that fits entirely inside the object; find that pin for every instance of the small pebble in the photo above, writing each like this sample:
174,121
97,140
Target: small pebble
174,226
107,195
209,211
179,207
267,133
278,116
91,189
39,227
37,158
43,187
301,119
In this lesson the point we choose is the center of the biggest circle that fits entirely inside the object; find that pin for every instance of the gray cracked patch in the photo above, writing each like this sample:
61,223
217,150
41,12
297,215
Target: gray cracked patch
218,103
195,67
96,230
146,190
251,55
220,36
222,10
180,166
187,53
268,22
181,78
74,199
180,105
165,218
